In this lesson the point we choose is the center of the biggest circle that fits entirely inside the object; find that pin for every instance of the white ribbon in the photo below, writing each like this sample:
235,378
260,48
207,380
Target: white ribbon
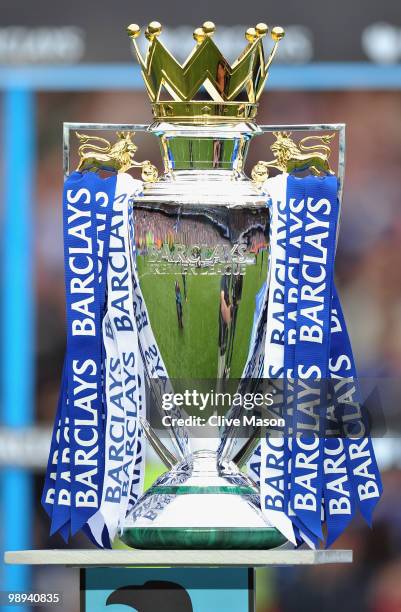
125,395
272,468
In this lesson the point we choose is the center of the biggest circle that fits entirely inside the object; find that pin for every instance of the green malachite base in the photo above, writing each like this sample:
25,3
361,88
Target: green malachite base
175,538
198,490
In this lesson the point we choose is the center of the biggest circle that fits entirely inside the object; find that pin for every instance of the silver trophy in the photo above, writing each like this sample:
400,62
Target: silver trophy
201,239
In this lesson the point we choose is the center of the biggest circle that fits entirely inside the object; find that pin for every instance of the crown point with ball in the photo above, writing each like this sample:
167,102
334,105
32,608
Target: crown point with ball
199,35
133,30
153,30
209,28
251,35
278,33
261,29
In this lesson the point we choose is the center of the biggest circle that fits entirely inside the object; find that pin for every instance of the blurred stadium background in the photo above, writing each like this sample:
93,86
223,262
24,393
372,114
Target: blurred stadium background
67,61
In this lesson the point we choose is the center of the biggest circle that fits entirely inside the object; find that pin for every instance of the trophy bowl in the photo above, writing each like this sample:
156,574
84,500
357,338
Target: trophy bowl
201,503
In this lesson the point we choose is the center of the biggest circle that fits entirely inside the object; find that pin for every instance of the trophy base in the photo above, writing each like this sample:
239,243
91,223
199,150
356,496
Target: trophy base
219,538
202,503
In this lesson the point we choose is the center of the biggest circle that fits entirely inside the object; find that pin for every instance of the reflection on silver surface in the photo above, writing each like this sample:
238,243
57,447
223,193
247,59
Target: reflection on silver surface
199,272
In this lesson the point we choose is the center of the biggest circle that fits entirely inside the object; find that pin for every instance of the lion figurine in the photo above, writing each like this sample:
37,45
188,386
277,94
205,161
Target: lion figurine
291,158
117,157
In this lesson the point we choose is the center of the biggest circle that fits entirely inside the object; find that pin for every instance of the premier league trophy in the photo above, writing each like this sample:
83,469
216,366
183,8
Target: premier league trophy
205,276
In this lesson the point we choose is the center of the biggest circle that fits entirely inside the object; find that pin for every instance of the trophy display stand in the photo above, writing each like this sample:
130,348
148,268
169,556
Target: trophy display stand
197,580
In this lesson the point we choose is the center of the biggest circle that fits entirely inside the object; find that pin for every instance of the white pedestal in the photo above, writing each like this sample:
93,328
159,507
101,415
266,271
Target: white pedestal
176,558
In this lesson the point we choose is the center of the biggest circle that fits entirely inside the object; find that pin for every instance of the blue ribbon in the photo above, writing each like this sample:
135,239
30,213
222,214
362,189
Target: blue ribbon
62,507
365,476
311,356
79,429
338,481
50,484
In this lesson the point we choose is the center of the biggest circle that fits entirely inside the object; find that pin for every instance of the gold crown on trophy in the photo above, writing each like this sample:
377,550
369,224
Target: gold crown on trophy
206,87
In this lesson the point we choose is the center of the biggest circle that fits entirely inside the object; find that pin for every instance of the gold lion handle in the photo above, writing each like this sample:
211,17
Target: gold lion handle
97,153
292,157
